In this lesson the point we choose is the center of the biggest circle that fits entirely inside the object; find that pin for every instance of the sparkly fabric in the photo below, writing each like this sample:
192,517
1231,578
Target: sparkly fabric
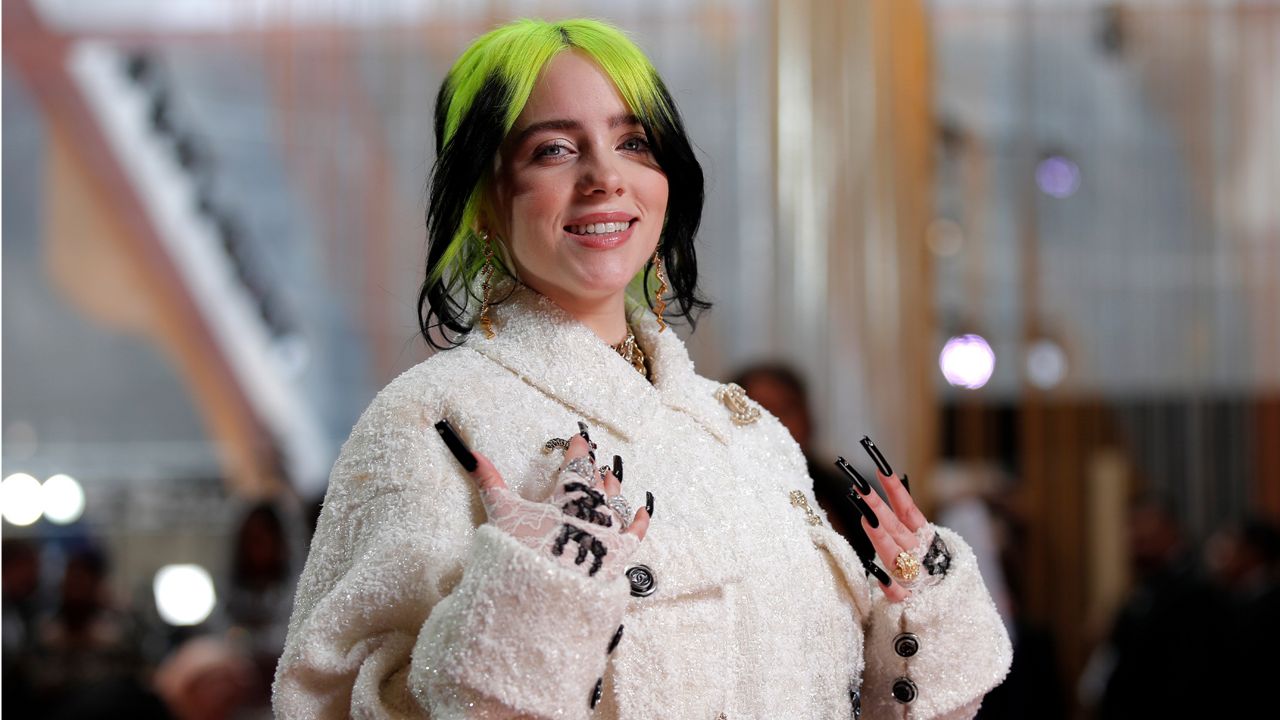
962,644
412,606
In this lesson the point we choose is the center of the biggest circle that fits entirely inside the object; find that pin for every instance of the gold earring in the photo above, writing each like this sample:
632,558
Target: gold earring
658,303
486,273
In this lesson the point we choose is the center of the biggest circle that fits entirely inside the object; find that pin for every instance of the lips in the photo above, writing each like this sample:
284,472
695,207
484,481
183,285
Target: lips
601,230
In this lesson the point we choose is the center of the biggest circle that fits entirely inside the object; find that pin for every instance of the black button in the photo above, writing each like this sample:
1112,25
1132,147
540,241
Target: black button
642,582
904,691
855,699
906,645
617,638
597,692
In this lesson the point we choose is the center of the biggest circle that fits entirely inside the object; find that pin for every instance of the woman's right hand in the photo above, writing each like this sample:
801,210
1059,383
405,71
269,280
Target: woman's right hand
575,525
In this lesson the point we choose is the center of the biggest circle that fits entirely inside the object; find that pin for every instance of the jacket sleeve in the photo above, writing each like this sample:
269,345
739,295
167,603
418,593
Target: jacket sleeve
937,653
407,609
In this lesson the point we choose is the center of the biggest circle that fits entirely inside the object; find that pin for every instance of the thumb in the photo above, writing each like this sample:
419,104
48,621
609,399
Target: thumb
486,476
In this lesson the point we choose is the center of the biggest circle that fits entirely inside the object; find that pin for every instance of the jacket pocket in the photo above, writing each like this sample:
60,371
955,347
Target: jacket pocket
679,663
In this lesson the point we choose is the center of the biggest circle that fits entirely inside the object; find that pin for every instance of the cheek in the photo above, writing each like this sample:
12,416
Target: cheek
656,189
654,194
534,205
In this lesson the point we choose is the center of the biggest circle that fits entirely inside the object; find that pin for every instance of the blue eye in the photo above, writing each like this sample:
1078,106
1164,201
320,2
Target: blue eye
635,144
554,150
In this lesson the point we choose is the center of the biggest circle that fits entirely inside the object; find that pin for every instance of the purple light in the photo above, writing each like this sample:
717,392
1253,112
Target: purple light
1058,177
967,361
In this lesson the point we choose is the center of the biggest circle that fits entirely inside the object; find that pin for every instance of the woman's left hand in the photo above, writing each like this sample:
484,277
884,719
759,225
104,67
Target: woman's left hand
898,531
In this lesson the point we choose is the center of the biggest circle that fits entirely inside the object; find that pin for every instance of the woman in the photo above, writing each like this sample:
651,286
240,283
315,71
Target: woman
512,579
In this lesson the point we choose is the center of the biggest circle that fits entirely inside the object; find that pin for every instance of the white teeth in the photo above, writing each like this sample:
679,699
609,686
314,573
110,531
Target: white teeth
598,228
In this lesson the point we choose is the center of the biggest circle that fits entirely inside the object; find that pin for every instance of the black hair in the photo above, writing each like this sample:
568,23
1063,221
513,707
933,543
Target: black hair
464,162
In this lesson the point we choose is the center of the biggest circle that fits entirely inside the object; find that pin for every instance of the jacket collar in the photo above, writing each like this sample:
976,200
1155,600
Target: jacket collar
549,349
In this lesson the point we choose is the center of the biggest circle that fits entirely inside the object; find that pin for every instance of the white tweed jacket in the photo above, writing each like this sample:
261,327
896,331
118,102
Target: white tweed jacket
410,605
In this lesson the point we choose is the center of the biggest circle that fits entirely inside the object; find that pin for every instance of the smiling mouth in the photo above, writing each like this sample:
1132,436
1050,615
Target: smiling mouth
605,228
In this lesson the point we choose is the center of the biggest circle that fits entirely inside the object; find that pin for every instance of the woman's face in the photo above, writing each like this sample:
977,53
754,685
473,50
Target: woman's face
578,198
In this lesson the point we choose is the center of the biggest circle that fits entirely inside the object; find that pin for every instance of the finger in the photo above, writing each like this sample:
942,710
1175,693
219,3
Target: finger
877,457
891,589
586,435
639,525
611,485
886,549
904,506
578,450
578,447
899,497
486,476
889,521
492,489
895,592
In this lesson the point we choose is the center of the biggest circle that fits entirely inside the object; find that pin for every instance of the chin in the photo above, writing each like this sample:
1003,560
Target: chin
601,290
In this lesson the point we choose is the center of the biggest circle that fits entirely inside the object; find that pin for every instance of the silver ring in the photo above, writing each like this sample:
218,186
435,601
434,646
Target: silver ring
619,505
582,467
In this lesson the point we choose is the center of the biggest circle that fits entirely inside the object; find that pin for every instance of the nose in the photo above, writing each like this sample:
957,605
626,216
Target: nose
600,175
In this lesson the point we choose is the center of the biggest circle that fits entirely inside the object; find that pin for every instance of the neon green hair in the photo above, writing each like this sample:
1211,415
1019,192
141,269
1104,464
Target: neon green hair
507,61
479,101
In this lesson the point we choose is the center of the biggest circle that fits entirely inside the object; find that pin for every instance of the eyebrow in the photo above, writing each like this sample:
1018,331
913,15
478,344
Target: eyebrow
614,122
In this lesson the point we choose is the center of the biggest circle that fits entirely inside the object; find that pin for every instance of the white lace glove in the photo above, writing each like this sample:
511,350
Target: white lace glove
577,525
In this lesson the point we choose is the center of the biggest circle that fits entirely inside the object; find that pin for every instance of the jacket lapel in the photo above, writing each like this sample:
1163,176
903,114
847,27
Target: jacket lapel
679,386
549,349
563,358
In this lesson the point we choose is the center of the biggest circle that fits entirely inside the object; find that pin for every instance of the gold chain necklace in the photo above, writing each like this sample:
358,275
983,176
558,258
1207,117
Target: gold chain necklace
630,351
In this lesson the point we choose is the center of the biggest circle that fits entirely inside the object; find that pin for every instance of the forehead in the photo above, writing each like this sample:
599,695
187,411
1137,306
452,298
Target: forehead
572,86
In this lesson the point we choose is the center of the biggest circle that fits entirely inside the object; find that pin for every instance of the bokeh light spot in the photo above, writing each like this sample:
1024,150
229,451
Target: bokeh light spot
63,499
20,500
967,361
184,594
1046,364
1058,176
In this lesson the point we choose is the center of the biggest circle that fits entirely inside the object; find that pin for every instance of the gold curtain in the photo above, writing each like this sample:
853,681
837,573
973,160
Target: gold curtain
854,131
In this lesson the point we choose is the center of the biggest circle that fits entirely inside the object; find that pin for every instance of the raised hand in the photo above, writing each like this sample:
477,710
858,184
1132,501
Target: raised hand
903,539
577,525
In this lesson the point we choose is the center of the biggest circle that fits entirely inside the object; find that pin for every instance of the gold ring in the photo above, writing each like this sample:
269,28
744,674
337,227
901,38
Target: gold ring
906,567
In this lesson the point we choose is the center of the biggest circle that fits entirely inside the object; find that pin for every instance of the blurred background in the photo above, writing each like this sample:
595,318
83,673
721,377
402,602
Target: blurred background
1030,246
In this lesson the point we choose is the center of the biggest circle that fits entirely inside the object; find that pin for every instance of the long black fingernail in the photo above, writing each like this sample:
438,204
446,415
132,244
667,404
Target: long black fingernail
617,638
459,449
879,574
865,509
859,482
582,430
906,483
617,468
881,464
597,692
648,502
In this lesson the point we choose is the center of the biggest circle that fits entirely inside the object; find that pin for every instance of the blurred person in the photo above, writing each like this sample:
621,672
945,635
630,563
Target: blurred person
204,678
260,593
781,391
1170,636
87,639
1245,561
1033,688
20,583
434,588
